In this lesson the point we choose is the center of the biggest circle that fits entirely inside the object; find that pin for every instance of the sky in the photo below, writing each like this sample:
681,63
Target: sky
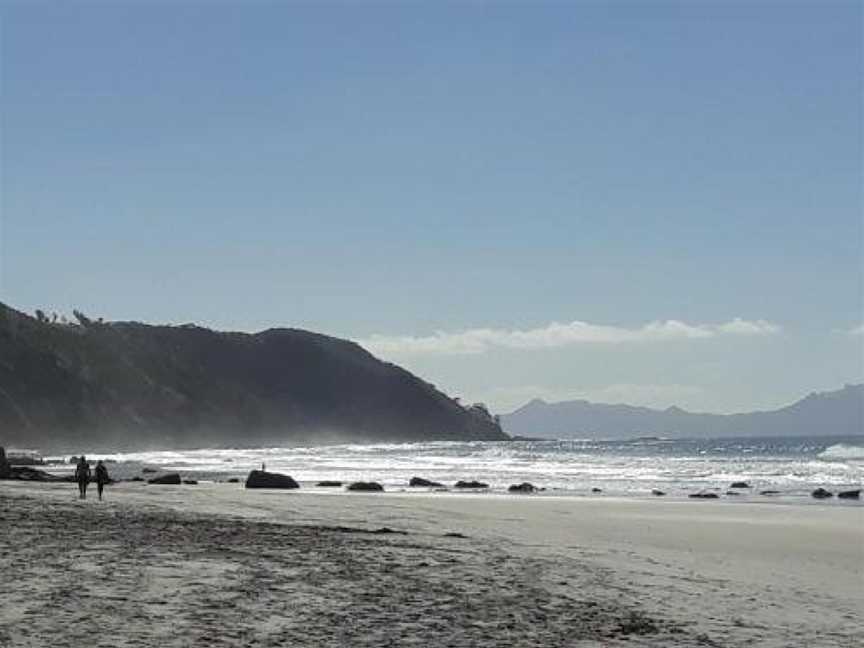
655,203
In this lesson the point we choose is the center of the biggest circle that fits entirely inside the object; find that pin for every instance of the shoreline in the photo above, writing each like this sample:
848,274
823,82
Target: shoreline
773,575
725,495
792,466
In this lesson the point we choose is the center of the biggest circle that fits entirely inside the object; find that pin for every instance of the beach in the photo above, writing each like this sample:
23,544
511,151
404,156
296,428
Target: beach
217,565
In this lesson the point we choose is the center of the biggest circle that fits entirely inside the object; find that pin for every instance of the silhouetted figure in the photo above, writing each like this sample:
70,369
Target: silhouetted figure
5,469
102,477
82,476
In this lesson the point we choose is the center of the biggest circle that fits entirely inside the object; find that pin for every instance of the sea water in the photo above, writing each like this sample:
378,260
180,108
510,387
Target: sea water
793,466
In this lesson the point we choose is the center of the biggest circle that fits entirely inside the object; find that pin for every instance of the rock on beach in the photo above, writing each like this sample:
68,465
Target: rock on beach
264,479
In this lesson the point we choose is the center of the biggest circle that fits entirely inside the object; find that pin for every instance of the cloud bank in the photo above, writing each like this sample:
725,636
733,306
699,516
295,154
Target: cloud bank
858,330
557,335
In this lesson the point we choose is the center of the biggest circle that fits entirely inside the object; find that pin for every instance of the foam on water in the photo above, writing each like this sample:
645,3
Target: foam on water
792,465
843,452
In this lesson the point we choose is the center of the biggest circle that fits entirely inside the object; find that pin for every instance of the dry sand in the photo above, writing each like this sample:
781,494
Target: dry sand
215,565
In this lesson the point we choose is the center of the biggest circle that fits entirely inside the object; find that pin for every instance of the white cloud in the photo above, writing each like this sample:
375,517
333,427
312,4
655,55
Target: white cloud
858,330
743,327
556,335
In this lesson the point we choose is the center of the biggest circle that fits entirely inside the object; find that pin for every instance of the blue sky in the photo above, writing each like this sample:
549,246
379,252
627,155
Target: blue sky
447,182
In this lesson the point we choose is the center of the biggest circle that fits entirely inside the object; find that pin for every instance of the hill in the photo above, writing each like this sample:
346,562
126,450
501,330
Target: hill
128,385
835,413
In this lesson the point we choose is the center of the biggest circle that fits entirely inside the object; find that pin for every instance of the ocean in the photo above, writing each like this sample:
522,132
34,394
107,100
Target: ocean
793,466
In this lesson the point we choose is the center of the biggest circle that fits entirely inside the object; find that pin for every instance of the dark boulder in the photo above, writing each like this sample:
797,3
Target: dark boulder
850,494
821,493
329,484
233,480
419,482
263,479
171,479
369,487
769,492
190,482
149,470
733,493
596,490
657,492
524,487
740,484
137,479
704,495
470,484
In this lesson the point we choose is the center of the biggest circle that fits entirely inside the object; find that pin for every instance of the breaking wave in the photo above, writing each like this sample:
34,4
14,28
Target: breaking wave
843,452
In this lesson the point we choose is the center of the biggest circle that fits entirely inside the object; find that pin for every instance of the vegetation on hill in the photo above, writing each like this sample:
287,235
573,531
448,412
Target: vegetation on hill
129,385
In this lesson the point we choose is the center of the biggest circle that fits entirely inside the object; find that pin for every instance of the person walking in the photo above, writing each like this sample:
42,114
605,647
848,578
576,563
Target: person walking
82,476
102,478
5,468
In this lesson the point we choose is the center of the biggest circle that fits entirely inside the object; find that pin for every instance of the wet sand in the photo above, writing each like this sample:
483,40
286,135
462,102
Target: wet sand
216,565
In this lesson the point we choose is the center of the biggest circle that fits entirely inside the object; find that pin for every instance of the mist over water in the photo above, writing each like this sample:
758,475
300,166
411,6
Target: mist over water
792,465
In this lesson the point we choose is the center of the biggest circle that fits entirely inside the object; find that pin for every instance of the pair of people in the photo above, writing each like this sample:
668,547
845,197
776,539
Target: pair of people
83,476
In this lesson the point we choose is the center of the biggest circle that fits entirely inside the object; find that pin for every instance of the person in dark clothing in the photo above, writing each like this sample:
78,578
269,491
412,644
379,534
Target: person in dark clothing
102,477
5,468
82,476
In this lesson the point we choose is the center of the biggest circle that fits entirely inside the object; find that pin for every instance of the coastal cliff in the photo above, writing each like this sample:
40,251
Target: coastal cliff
129,385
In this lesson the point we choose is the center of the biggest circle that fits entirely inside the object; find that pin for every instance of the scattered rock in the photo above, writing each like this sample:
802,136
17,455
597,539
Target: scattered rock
740,484
596,490
137,479
369,487
704,495
233,480
171,479
769,492
524,487
419,482
149,470
850,494
264,479
470,484
731,492
821,493
190,482
329,484
657,492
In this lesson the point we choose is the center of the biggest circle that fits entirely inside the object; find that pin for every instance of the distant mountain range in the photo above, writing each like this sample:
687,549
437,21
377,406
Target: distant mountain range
834,413
125,385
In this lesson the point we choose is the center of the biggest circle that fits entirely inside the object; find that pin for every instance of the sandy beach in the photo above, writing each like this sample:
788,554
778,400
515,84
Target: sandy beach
216,565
